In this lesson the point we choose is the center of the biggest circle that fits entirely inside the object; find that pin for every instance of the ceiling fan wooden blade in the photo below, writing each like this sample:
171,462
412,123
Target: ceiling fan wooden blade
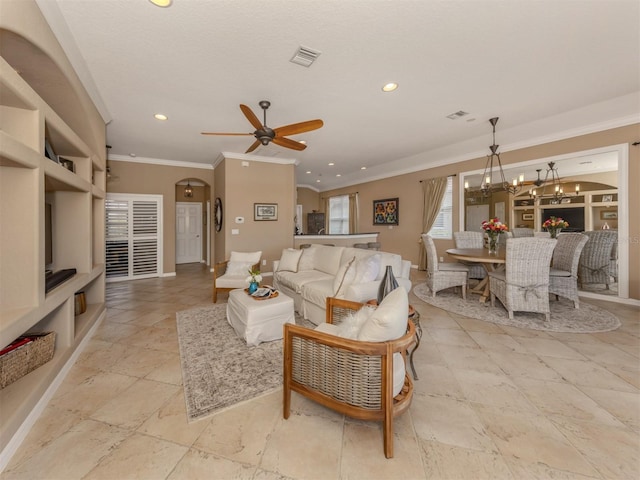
253,120
234,134
253,146
288,143
296,128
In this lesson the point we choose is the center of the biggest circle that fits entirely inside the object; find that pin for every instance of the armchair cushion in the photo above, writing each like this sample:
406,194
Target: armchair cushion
289,260
389,320
237,269
241,262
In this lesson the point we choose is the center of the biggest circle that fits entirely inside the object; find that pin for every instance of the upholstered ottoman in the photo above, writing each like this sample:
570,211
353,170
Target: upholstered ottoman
258,321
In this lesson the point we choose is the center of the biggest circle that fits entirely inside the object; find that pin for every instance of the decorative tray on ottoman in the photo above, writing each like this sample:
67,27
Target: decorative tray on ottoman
263,293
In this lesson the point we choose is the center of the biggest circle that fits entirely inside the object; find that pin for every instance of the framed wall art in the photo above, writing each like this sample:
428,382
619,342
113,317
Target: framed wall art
386,211
265,211
527,216
608,214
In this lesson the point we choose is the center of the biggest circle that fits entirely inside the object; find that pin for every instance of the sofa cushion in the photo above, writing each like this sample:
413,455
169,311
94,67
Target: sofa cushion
306,259
289,260
390,259
295,281
367,269
389,321
344,277
316,292
327,259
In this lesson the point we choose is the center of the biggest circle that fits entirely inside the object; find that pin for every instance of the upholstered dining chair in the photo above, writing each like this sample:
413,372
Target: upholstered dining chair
563,276
469,239
595,260
441,275
359,373
233,273
524,284
519,232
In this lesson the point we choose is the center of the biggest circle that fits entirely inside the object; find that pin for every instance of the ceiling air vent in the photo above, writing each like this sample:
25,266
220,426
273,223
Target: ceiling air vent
457,115
305,56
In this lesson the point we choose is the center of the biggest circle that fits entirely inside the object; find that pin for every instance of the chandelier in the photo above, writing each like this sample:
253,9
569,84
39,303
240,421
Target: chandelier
188,190
557,192
487,187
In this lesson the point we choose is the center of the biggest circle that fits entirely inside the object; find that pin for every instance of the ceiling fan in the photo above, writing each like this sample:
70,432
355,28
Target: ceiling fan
264,135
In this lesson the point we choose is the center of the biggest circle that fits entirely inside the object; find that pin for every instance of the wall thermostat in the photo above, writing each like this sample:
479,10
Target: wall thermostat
239,219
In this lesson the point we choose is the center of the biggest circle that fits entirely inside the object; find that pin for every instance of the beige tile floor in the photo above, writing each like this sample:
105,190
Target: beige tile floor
491,402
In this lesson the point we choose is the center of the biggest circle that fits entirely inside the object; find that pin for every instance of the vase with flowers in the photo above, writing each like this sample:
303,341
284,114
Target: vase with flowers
494,227
254,279
554,225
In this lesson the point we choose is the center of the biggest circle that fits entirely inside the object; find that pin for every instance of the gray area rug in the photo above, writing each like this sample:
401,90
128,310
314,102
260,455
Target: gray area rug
564,318
218,368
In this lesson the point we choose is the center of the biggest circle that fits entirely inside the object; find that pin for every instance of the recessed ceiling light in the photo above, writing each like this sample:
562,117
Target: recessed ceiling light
162,3
338,175
363,168
390,87
308,171
331,164
132,154
160,116
318,181
304,142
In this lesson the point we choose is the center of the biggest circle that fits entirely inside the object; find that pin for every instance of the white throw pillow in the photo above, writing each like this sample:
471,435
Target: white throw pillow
352,323
289,260
306,259
238,268
344,277
389,321
367,269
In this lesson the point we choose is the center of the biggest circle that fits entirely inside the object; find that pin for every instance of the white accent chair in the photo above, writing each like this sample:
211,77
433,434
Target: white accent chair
233,273
524,285
441,275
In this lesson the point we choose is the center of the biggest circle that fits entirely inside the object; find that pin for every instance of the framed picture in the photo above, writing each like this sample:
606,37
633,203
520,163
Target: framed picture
386,211
265,211
608,214
565,200
527,216
48,151
68,164
607,198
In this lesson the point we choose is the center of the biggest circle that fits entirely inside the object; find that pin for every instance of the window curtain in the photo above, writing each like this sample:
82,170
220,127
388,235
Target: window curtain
353,213
433,191
327,209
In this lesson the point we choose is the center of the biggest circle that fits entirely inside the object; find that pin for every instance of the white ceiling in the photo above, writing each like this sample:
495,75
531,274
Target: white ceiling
548,69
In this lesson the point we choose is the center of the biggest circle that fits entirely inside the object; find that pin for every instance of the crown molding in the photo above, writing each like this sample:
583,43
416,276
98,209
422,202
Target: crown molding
247,157
160,161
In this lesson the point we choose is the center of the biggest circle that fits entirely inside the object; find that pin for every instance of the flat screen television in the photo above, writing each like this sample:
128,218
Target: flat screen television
575,217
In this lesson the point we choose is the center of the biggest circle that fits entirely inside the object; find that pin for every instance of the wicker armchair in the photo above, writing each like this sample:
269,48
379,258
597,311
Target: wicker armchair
519,232
233,273
442,275
595,260
352,377
524,285
563,276
469,239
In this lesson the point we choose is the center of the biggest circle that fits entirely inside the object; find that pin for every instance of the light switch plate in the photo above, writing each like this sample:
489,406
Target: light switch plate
235,231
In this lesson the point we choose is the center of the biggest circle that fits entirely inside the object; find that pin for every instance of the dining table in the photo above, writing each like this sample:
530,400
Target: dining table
490,261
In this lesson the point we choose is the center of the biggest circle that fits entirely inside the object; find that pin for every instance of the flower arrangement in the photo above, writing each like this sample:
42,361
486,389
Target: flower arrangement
554,225
254,276
494,225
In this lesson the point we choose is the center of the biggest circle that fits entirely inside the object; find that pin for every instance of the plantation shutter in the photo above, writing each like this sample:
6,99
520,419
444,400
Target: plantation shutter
133,236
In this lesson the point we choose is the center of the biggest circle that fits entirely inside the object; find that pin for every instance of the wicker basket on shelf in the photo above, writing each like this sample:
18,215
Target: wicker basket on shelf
16,363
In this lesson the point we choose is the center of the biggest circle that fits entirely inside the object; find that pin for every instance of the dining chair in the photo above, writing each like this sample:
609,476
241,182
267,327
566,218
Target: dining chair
441,275
595,260
470,239
613,263
519,232
563,275
524,284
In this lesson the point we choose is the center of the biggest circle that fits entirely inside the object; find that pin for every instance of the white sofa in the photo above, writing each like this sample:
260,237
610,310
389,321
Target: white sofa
312,274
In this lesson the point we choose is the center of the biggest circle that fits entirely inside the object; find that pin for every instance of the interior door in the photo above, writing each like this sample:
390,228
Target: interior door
188,232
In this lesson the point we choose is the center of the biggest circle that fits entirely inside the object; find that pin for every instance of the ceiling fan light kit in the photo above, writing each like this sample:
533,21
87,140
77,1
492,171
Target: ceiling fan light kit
265,135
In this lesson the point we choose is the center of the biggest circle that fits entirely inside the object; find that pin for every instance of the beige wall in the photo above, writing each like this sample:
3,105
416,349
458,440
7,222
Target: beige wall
258,182
131,177
310,201
404,238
